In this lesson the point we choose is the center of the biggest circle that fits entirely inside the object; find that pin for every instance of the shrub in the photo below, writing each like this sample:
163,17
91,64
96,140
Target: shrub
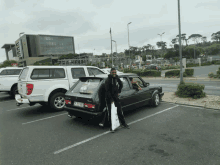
189,72
184,74
192,90
211,74
172,73
150,73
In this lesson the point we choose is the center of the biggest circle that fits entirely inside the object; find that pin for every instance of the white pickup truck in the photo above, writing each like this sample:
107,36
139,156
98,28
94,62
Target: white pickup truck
47,85
8,79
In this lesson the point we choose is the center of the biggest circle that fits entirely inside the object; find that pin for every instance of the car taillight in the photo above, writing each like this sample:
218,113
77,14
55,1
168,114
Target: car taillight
89,105
67,101
29,88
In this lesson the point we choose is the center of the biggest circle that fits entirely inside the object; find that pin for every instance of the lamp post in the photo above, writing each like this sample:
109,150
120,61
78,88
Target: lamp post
115,46
180,47
129,44
21,48
161,38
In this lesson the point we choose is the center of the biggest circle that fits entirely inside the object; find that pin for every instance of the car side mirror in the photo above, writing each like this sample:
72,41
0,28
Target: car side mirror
146,84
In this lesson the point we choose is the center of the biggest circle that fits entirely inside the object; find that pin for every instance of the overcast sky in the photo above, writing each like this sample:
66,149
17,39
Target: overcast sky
89,21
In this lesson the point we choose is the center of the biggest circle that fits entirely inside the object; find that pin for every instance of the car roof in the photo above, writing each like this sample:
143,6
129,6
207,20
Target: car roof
52,66
12,68
106,75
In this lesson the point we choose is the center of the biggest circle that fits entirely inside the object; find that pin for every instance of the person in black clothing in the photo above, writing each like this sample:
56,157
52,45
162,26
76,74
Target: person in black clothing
113,87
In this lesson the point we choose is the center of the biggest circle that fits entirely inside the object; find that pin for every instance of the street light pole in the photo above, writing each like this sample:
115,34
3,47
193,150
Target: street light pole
161,38
115,46
180,47
129,44
21,51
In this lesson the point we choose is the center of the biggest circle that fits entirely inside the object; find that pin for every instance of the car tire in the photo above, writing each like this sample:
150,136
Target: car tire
57,101
155,101
14,91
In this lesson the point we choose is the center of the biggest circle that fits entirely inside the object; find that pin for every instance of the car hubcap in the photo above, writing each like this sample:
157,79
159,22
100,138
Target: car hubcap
59,102
156,99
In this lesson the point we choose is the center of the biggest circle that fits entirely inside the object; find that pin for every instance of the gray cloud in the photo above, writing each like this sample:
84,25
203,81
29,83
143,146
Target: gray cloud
101,3
54,21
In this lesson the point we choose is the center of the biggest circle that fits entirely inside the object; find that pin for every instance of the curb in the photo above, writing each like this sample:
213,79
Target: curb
163,78
191,105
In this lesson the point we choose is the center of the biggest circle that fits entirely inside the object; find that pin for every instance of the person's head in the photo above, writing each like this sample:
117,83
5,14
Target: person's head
113,72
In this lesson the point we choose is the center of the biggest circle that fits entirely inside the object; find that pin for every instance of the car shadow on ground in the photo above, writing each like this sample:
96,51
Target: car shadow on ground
94,121
37,110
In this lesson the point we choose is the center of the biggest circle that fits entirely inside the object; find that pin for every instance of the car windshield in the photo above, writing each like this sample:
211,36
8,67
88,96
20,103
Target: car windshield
86,86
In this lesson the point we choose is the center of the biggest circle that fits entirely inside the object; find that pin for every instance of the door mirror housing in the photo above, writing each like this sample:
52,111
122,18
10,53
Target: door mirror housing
146,84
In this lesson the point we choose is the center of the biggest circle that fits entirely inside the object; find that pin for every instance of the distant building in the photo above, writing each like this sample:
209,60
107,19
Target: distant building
10,52
32,48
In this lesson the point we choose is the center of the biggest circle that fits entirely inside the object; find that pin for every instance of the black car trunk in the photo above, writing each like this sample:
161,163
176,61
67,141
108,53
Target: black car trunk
88,102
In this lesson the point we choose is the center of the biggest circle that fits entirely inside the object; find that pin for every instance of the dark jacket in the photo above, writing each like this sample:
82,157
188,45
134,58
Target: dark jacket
113,87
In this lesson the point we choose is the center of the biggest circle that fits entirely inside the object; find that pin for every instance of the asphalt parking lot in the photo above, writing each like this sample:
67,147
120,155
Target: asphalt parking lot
168,134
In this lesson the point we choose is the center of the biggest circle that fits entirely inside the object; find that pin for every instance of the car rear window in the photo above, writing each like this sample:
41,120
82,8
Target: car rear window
10,72
94,71
86,86
24,73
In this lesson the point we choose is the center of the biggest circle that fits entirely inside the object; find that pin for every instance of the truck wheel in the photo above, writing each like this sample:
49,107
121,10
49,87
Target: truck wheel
155,100
14,91
57,101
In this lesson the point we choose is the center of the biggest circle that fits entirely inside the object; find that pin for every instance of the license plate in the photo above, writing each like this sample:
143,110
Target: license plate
78,104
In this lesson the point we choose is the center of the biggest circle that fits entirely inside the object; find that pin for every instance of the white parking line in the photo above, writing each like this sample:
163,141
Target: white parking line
5,96
94,137
22,108
44,118
5,101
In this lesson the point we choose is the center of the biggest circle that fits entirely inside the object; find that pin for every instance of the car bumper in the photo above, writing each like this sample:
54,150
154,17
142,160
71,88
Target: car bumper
21,100
79,111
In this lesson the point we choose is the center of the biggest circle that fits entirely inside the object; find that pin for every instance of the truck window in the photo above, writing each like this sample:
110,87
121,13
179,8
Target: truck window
24,73
77,72
11,72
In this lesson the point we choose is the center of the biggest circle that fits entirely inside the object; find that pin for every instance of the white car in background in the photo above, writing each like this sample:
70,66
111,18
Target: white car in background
8,79
108,70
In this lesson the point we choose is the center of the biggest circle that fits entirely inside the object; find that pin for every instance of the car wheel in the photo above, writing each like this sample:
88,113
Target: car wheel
14,91
155,100
57,101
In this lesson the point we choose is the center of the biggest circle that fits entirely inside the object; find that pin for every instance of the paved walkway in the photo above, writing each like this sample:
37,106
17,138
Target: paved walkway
210,101
184,78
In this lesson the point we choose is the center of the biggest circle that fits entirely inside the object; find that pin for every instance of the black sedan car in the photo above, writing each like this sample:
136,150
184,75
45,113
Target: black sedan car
154,67
87,95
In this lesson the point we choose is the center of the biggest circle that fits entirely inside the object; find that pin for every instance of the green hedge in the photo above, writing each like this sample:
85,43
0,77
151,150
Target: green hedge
192,65
172,73
189,72
140,72
190,90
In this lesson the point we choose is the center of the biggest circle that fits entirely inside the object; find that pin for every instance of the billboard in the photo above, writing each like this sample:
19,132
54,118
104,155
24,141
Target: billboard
18,47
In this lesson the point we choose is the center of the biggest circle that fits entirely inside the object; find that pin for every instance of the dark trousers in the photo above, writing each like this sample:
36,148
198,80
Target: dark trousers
119,110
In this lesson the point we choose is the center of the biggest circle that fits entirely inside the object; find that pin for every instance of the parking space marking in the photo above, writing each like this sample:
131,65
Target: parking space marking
4,101
22,108
44,118
94,137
